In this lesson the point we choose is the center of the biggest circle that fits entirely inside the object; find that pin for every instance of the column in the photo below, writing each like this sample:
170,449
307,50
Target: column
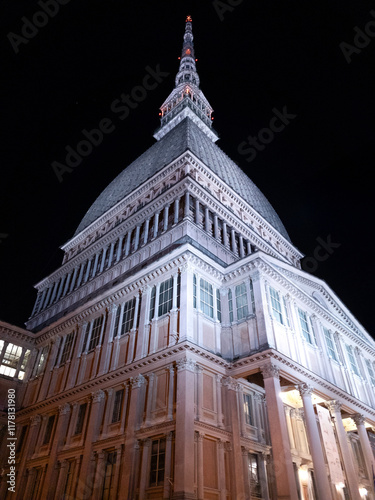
87,274
143,327
197,213
242,250
221,464
225,234
73,282
49,368
283,465
184,448
186,303
233,241
99,475
108,412
92,428
150,394
103,259
241,410
144,468
80,275
82,365
168,464
187,205
365,444
54,293
67,284
200,465
119,248
262,471
42,299
219,401
57,443
176,210
351,476
320,470
216,228
261,311
76,355
165,220
156,224
238,491
48,296
154,326
124,407
128,481
206,220
111,254
127,246
145,231
62,281
108,340
95,268
199,389
62,478
245,468
137,233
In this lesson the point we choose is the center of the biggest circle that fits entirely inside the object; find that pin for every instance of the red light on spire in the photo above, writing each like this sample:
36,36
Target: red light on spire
188,19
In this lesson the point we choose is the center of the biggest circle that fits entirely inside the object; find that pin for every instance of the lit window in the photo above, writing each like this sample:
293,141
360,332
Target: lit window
330,344
352,362
247,407
157,462
95,333
276,305
165,297
241,301
48,433
207,298
42,360
371,372
80,418
116,414
286,312
304,326
12,355
67,348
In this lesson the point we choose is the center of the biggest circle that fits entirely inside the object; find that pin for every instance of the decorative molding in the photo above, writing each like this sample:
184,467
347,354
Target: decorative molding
269,370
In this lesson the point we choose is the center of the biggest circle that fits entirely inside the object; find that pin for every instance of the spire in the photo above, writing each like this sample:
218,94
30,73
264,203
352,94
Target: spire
186,99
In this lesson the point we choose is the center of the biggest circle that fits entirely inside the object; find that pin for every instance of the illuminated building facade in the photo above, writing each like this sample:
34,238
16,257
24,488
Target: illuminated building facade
180,352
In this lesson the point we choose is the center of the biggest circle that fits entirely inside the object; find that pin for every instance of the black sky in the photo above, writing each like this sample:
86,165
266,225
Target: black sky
261,55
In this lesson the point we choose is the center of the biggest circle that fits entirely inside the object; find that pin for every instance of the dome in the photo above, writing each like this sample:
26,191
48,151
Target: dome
186,136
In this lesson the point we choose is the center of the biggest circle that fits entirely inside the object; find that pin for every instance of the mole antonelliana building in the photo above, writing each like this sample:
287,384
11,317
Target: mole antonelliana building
179,351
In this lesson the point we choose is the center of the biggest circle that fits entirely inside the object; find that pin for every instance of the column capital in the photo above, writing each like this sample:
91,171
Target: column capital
219,378
113,308
138,381
147,442
334,405
35,420
305,389
231,383
270,371
97,396
170,436
186,364
358,419
64,409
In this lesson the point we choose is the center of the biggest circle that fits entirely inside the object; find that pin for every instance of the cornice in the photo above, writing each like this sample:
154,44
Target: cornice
10,333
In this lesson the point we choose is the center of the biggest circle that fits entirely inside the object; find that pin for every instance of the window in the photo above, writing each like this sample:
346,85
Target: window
330,344
286,312
252,297
304,326
95,333
80,418
357,451
247,407
21,438
207,298
241,301
230,305
128,316
10,360
69,479
116,414
276,305
370,370
255,489
218,304
109,473
353,364
157,462
194,291
49,427
22,371
67,348
165,297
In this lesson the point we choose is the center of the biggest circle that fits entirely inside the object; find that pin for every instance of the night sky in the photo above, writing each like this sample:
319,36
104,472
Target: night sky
254,57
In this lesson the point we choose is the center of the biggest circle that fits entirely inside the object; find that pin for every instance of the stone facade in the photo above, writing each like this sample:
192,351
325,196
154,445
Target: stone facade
180,352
